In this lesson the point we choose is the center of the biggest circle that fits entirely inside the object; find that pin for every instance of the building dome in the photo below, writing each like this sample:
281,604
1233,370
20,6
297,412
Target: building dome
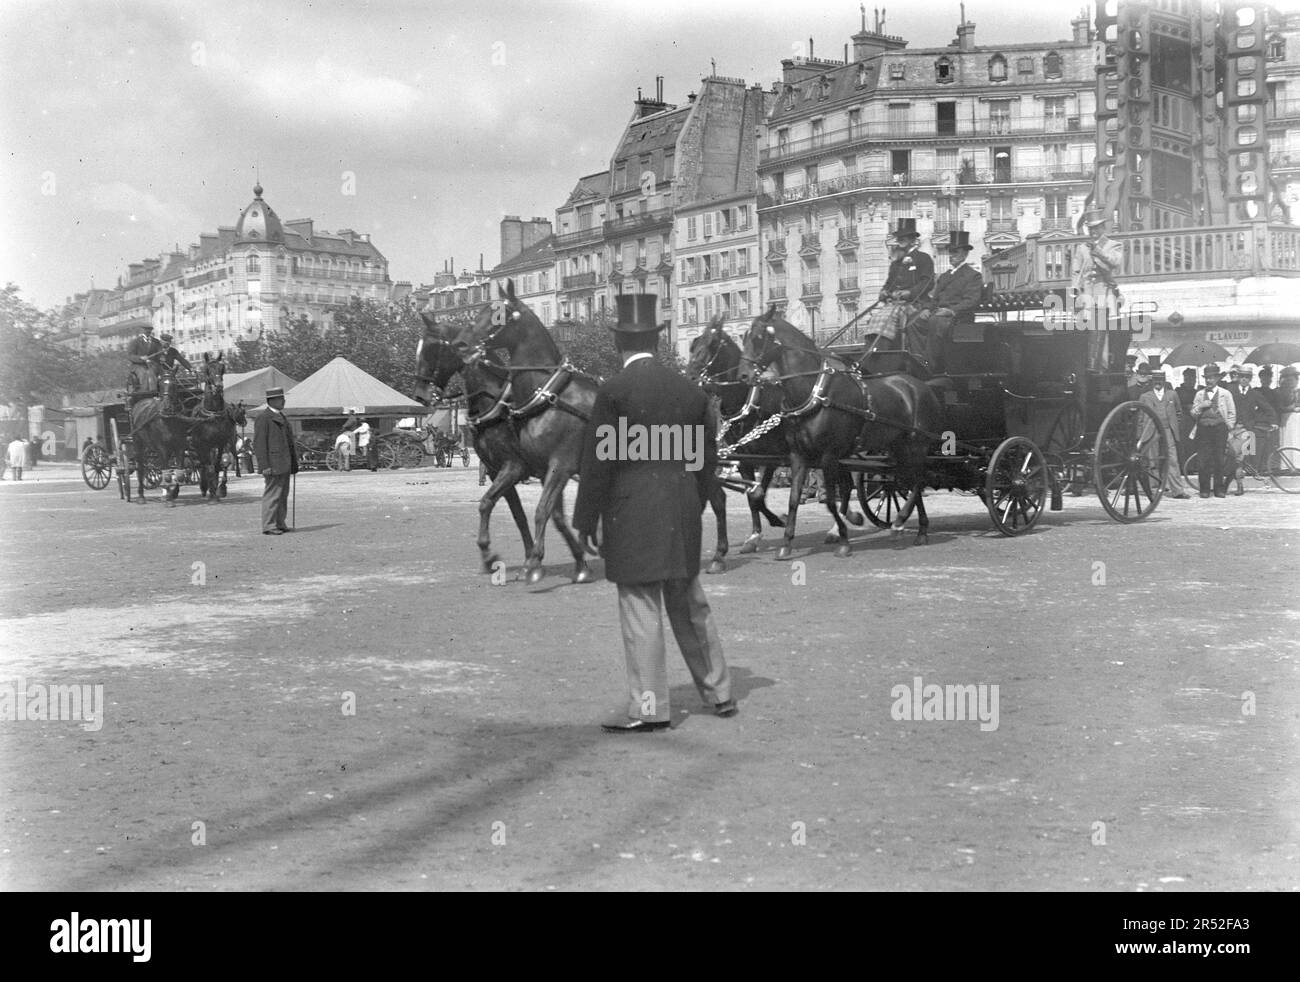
257,222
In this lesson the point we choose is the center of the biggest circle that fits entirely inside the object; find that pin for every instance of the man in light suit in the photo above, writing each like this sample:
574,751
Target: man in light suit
643,516
1215,415
953,300
273,444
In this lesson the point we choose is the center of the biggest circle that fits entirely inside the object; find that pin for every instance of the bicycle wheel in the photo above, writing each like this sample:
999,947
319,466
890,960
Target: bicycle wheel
332,460
1189,465
1284,469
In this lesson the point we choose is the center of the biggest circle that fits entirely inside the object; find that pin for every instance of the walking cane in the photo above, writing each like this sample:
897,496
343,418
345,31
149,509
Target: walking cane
293,519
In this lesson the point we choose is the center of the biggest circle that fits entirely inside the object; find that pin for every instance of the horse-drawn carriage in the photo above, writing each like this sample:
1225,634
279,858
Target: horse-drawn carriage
1027,408
184,437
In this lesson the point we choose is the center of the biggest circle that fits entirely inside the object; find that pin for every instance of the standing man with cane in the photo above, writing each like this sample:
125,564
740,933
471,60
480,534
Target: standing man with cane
274,446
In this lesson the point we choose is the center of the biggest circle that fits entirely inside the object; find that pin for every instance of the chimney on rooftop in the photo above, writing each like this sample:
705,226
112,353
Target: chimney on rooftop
965,32
1082,28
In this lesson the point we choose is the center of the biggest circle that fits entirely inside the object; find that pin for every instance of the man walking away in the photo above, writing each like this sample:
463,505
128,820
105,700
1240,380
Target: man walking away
274,446
17,454
648,513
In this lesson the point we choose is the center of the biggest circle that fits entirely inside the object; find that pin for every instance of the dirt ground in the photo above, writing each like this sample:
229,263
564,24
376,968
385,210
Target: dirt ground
1148,732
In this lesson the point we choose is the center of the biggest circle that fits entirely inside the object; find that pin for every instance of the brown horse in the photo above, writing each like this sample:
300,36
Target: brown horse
495,440
156,432
551,402
832,413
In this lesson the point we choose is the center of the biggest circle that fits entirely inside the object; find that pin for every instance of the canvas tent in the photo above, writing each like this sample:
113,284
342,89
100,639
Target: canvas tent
250,387
341,386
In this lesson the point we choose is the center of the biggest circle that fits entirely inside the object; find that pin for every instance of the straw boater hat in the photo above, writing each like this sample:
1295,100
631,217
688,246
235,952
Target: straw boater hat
1093,217
905,232
1211,371
276,393
636,313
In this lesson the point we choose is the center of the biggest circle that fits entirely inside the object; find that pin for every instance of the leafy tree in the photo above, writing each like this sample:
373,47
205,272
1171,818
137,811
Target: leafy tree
590,346
33,369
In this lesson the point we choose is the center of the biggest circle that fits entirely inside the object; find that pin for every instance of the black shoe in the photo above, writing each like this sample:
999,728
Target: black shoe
272,532
636,726
727,708
1220,494
283,529
1205,494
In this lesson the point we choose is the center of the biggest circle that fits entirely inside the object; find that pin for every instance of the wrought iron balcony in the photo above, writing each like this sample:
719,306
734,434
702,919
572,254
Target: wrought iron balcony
580,281
895,131
847,239
775,248
776,292
635,223
811,242
850,284
570,240
813,289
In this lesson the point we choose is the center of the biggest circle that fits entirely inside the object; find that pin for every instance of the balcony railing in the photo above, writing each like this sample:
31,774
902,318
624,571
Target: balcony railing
813,289
849,284
1002,225
927,129
1058,225
847,239
776,292
570,240
811,241
632,223
1285,109
932,178
348,276
775,247
580,281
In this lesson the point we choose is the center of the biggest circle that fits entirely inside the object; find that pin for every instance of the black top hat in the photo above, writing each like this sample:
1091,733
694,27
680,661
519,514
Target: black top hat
958,239
906,229
636,313
1144,370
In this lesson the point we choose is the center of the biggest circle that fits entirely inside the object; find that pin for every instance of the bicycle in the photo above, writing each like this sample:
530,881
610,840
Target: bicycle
1283,469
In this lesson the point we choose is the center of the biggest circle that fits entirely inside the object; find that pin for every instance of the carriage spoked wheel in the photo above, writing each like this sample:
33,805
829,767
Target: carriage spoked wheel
410,454
1016,485
883,502
96,467
1130,462
334,460
387,456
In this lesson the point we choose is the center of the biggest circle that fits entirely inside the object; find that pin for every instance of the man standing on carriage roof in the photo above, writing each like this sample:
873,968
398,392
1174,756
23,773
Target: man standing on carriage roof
648,514
957,292
143,352
168,359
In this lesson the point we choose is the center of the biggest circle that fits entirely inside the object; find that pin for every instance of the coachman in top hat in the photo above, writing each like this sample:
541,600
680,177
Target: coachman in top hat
911,274
648,516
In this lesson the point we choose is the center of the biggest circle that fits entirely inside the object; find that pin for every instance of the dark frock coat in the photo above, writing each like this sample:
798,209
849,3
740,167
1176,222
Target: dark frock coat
649,511
273,444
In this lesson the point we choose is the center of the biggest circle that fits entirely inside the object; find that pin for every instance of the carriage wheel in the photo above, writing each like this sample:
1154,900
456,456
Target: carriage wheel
1067,433
883,502
96,467
387,456
333,460
410,454
1016,487
1130,462
153,476
1284,469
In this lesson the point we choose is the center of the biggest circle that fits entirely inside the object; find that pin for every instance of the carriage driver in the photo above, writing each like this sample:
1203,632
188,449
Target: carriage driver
143,353
168,359
911,273
956,294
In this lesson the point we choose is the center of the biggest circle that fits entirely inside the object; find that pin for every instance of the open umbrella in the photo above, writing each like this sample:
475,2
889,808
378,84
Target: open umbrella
1276,353
1196,353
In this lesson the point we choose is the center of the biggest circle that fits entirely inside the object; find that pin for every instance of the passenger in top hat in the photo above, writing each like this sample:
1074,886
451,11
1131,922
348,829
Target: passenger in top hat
143,353
643,516
273,444
957,292
912,274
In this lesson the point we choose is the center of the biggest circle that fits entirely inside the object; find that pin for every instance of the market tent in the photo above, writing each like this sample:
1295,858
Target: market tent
341,386
250,387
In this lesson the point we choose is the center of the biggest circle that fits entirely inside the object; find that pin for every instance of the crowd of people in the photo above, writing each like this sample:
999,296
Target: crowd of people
1228,422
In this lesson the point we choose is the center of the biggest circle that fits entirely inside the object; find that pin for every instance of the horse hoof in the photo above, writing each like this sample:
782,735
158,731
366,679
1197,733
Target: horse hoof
784,553
534,576
832,537
922,538
896,530
776,523
748,546
844,551
856,518
717,566
583,575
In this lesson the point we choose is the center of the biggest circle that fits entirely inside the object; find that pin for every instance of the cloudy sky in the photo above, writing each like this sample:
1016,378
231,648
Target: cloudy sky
129,127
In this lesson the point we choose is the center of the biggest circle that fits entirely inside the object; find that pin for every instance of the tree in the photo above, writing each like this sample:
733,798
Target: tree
590,346
32,368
